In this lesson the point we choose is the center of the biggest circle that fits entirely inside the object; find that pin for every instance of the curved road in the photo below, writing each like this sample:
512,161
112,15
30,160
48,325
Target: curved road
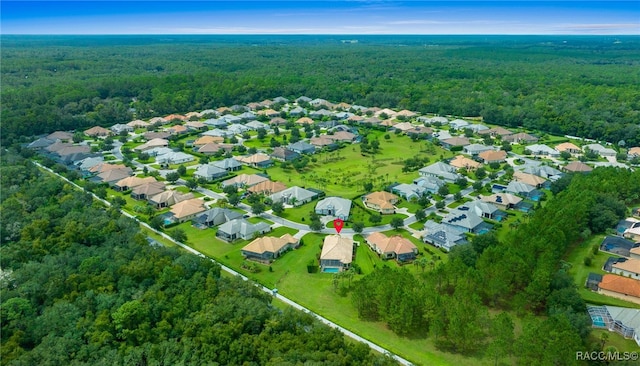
288,301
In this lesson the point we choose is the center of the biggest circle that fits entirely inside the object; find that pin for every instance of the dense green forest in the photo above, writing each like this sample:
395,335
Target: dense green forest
584,86
82,286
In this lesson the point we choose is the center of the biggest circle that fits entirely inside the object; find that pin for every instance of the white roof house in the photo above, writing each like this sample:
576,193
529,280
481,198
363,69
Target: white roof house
539,149
175,157
601,150
440,170
458,124
334,206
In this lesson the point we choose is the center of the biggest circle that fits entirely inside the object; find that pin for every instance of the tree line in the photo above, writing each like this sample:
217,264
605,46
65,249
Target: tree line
583,87
81,285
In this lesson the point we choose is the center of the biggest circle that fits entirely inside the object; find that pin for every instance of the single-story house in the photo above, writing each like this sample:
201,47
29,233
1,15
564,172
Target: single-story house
256,125
530,179
147,190
383,202
503,200
297,112
241,229
341,136
523,189
112,176
620,287
304,121
267,188
237,129
458,124
442,236
247,116
577,167
151,135
408,191
187,209
337,253
40,144
169,198
397,247
496,131
203,140
138,123
601,150
418,131
320,113
322,141
628,268
98,131
257,160
244,180
455,141
294,196
465,221
521,138
209,172
103,167
475,149
177,130
542,150
62,136
618,245
268,248
568,147
632,232
196,126
334,206
282,154
480,208
118,128
214,217
429,184
278,121
131,182
302,147
461,162
175,157
624,321
543,171
440,170
153,143
228,164
634,151
493,156
213,148
476,127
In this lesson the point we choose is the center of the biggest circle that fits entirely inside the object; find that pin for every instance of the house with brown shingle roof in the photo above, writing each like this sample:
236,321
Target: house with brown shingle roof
269,113
278,121
337,253
147,190
502,200
103,167
634,151
455,142
629,268
152,144
112,176
493,156
397,247
187,209
175,117
60,135
521,137
342,136
577,167
383,202
196,125
267,188
244,180
620,287
213,147
97,131
461,161
406,114
496,131
268,248
321,141
568,147
169,198
304,121
132,182
177,130
257,160
201,141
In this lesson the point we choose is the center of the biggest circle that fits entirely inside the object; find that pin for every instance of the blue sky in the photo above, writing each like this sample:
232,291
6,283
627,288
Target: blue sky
320,17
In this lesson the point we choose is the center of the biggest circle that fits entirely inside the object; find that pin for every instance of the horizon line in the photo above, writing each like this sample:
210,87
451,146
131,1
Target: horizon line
320,34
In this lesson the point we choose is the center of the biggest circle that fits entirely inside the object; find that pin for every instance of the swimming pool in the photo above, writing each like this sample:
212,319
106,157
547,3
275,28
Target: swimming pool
598,321
331,270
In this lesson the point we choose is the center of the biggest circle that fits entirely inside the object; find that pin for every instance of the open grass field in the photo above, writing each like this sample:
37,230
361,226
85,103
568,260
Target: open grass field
344,171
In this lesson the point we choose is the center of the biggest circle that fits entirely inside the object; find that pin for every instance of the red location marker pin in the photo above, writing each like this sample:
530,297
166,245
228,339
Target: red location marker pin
338,224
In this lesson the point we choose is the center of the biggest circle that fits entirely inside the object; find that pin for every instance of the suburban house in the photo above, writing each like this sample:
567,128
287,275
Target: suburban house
334,206
214,217
278,121
304,121
405,113
213,148
418,131
465,221
403,126
397,247
98,131
169,198
174,157
174,117
462,161
502,200
493,156
633,152
442,236
40,144
455,141
218,133
496,131
408,191
244,180
476,127
322,141
156,135
601,150
153,143
256,125
522,189
520,138
268,248
103,167
196,126
620,287
228,164
294,196
624,321
543,171
429,184
337,253
383,202
62,136
187,209
241,229
203,140
282,154
147,190
132,182
112,176
258,160
632,232
138,123
568,147
629,268
320,113
267,188
440,170
341,136
475,149
302,147
480,208
618,245
530,179
458,124
177,130
119,128
297,112
237,129
542,150
209,172
577,167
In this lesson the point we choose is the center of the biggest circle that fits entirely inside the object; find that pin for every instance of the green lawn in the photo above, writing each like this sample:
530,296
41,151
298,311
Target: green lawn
615,340
344,171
